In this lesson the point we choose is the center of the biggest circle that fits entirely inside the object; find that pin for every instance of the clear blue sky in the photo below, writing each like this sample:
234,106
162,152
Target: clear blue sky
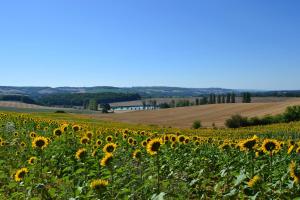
190,43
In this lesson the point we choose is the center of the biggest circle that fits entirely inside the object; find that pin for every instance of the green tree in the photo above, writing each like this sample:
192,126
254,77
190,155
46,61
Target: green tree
228,98
233,97
93,104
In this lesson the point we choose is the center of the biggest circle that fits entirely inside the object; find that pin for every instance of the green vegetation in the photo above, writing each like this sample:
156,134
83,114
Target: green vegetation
85,99
197,124
291,114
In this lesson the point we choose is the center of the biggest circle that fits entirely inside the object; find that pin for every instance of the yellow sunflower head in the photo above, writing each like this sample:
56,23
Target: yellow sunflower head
80,153
84,140
154,145
20,174
106,160
99,185
249,144
270,146
89,134
254,181
40,142
109,138
109,148
76,128
32,160
57,132
98,143
294,173
137,154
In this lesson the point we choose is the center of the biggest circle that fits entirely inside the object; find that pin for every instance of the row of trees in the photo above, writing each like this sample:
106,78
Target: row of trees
211,99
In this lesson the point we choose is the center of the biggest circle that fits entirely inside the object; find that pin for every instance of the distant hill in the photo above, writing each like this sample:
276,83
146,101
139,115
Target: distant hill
143,91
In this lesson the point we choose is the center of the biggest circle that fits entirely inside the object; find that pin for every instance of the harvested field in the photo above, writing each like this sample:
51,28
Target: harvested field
208,114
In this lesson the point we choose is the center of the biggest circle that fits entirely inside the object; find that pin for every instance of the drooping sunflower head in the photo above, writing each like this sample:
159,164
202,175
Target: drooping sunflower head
40,142
294,173
20,174
154,145
99,185
106,160
109,148
137,154
254,181
270,146
57,132
80,153
32,160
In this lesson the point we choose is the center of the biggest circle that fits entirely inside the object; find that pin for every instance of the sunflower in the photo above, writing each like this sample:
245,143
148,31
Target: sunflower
291,148
80,153
89,134
154,145
20,174
109,138
57,132
98,143
84,140
76,128
294,173
23,144
32,134
40,142
249,144
270,146
298,150
16,134
124,136
173,138
99,184
32,160
186,141
130,140
137,154
181,138
109,148
106,160
225,146
253,182
144,143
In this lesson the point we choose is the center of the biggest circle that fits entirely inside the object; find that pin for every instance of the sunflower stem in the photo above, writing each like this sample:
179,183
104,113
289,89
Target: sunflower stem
158,175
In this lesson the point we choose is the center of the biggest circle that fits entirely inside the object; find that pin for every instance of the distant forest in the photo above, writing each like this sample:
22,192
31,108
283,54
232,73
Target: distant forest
73,99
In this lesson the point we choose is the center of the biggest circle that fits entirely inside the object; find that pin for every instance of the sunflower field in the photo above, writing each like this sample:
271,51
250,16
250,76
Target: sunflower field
43,158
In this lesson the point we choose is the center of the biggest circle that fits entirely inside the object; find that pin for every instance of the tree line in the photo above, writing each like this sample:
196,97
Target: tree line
210,99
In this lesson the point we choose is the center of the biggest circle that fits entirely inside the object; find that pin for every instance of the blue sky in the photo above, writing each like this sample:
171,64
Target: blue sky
188,43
